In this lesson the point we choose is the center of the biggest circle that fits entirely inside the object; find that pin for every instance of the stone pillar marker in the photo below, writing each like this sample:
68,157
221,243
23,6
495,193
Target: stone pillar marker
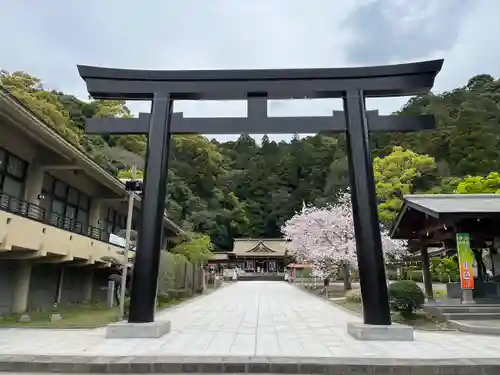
110,296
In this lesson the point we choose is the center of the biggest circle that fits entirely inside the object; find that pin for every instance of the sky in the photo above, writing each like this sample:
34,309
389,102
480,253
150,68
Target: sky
49,38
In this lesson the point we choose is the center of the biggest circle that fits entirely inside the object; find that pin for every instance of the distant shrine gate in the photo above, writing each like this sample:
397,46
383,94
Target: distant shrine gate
353,85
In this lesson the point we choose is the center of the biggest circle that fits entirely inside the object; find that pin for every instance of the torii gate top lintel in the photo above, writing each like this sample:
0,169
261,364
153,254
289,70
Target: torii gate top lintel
375,81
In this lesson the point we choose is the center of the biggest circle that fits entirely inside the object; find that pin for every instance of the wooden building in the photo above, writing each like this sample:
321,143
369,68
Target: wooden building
253,255
433,221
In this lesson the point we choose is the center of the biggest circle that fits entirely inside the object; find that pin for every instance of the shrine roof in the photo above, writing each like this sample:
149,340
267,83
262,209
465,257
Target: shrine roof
259,247
417,209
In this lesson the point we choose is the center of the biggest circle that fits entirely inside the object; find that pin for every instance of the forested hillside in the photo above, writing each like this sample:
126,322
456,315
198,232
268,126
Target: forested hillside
244,189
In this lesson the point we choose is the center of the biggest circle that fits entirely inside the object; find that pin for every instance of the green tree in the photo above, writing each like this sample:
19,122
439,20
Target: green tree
480,185
196,247
400,173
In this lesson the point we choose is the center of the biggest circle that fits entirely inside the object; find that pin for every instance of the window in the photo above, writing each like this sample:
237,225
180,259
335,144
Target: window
16,167
115,221
84,202
48,183
71,212
67,203
13,187
60,189
58,207
12,174
73,196
82,217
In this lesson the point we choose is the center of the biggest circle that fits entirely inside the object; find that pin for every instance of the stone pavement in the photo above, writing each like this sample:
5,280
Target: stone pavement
254,318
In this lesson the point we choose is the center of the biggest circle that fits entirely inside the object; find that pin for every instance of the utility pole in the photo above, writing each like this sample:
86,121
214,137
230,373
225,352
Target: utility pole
128,229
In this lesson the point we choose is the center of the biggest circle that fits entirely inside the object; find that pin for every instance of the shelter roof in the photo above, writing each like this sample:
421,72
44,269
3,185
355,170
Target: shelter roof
436,204
418,209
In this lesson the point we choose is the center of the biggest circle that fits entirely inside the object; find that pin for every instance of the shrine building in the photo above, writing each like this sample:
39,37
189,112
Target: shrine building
253,255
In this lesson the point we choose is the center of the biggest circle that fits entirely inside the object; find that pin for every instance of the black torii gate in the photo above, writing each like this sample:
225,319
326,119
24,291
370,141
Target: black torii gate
353,85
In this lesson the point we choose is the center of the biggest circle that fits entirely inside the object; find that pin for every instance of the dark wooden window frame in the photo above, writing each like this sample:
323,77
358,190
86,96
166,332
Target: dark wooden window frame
4,172
83,200
114,220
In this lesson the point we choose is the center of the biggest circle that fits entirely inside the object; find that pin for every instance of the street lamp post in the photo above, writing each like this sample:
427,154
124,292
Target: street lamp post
128,229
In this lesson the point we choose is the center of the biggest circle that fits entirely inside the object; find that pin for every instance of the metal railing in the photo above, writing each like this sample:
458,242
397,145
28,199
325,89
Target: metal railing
34,212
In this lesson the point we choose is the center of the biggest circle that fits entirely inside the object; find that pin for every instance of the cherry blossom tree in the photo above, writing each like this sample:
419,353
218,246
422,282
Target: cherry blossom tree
393,249
324,237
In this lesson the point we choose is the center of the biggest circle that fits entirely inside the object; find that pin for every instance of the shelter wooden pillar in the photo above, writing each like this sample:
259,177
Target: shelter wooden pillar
426,272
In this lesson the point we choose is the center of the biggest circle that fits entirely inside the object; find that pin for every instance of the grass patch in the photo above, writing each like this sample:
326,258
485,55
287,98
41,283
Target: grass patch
73,316
421,320
334,290
76,316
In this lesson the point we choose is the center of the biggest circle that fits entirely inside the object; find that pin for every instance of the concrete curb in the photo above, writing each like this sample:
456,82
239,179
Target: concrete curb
467,327
255,365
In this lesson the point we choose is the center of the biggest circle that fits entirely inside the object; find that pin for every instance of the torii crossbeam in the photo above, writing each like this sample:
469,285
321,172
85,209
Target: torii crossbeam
353,85
257,122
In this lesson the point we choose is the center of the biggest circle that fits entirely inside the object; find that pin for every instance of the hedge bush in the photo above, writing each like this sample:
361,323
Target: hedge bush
406,297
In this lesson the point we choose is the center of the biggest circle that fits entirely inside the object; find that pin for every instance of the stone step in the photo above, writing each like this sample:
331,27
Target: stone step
459,308
469,309
244,365
483,327
471,316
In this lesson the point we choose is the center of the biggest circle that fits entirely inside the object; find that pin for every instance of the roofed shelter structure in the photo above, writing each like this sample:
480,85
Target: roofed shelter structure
353,85
430,221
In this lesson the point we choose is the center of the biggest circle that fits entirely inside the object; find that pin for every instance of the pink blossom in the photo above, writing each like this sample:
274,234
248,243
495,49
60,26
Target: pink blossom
324,237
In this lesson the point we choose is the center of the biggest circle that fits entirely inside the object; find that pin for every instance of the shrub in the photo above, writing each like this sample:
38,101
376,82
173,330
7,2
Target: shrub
405,297
353,296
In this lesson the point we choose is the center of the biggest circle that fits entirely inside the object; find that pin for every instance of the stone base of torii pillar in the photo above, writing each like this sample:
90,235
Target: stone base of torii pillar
368,332
126,330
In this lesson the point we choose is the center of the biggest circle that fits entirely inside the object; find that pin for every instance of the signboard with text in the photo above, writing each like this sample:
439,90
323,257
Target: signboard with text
466,260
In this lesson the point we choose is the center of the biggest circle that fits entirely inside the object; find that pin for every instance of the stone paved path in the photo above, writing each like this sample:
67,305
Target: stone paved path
254,318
